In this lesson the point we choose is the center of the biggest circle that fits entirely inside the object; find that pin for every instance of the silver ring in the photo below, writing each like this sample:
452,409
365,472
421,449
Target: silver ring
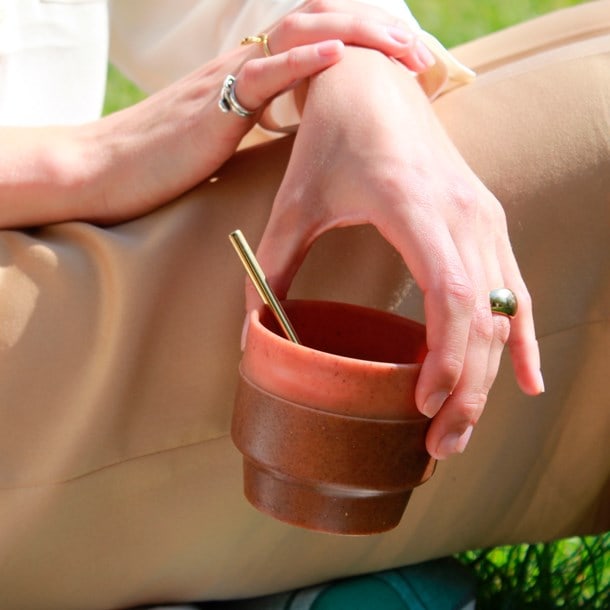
504,302
228,102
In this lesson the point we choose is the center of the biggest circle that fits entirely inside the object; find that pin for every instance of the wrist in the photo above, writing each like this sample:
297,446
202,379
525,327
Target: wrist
44,176
340,94
75,169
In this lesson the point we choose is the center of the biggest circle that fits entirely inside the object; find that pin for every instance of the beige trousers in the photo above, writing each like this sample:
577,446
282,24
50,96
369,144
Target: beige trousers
119,349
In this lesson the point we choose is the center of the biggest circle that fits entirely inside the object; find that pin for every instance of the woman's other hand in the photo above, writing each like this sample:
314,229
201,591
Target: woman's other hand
354,23
396,168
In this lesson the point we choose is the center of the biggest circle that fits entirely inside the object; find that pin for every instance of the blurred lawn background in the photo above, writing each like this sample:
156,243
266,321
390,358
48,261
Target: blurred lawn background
568,574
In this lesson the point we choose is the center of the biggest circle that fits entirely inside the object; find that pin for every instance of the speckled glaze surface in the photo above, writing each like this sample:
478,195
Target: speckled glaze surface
329,431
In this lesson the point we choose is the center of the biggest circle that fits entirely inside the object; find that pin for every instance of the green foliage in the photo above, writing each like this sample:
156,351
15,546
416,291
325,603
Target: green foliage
567,574
457,21
120,92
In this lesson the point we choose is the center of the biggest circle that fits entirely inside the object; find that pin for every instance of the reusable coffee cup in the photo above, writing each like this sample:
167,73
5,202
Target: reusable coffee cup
330,435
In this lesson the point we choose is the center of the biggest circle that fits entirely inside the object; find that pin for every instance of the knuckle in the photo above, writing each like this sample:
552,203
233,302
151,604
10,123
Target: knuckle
460,292
469,407
293,60
358,24
449,369
482,324
387,178
251,72
391,188
321,6
501,329
403,25
465,198
290,24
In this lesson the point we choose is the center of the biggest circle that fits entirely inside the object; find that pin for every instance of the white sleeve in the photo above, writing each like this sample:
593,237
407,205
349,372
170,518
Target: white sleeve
155,42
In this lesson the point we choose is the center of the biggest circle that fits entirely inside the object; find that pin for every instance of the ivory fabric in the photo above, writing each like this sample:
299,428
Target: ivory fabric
54,53
119,346
155,42
53,61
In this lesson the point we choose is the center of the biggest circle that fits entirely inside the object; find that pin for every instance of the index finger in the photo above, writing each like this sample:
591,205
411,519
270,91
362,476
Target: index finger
262,79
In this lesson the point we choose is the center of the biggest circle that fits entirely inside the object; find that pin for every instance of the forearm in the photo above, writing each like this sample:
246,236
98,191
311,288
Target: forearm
89,172
369,90
46,175
109,170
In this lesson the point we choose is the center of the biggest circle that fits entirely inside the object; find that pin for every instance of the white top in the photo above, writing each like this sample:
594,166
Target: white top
54,53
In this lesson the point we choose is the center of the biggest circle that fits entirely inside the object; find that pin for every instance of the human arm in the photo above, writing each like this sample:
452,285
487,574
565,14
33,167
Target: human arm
388,161
133,161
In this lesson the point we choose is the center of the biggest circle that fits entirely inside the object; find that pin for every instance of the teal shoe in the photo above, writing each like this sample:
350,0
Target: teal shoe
442,584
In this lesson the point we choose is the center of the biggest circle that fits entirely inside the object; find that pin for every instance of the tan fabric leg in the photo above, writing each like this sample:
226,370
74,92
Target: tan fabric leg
119,347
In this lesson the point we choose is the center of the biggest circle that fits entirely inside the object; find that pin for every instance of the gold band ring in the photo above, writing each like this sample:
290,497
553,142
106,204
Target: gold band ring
261,39
503,301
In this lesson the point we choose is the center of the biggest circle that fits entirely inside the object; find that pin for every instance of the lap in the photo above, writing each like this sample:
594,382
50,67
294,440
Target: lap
119,348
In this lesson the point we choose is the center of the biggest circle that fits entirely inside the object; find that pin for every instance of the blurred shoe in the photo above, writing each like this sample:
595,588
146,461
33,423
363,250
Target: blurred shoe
442,584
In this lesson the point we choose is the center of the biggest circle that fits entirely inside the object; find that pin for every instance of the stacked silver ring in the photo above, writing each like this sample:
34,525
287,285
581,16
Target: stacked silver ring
228,102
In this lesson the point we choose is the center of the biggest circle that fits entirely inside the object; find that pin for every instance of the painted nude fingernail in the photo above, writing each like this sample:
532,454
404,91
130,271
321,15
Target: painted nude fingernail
329,48
453,443
540,382
424,55
400,35
244,332
433,403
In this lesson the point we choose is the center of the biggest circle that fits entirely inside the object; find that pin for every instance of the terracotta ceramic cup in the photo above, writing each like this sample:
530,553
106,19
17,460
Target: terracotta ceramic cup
331,438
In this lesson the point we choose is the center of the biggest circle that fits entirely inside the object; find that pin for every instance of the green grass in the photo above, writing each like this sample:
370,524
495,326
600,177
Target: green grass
456,21
567,574
120,92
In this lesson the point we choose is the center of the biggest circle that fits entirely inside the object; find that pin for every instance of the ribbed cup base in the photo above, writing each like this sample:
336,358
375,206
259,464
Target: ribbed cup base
330,509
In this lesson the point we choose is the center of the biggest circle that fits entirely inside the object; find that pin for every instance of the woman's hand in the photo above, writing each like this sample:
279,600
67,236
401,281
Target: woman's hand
131,162
396,168
354,23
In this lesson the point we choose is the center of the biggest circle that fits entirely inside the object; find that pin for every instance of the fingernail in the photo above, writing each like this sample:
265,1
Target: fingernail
433,403
453,443
244,332
329,48
540,382
424,55
400,35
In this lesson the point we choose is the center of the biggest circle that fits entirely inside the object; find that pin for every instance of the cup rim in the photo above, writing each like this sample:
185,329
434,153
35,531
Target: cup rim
372,365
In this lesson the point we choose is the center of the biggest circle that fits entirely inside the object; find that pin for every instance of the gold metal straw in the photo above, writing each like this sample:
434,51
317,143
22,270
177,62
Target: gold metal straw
260,282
